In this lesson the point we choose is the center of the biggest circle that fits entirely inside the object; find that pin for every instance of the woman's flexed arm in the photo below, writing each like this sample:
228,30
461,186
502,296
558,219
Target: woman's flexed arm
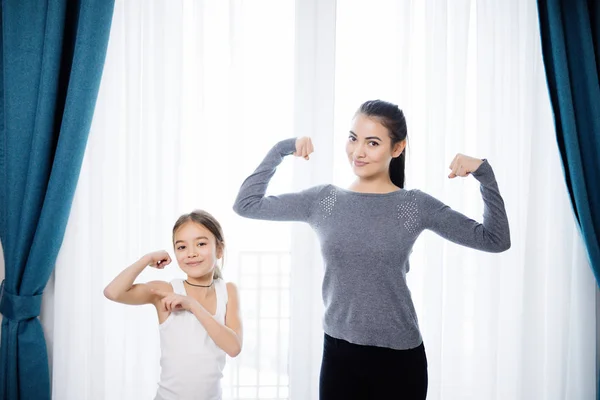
493,234
251,201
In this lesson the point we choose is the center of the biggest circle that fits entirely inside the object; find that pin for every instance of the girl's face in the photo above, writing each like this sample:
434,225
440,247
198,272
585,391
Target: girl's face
369,148
196,250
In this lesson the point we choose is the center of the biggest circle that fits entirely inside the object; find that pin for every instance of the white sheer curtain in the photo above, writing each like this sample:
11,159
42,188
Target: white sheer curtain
194,93
469,75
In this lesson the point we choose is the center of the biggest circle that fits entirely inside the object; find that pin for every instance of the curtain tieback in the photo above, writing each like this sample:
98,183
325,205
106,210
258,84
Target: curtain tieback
19,308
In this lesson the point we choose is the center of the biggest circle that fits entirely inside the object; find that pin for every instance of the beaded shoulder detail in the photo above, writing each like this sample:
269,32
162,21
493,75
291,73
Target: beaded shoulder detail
407,213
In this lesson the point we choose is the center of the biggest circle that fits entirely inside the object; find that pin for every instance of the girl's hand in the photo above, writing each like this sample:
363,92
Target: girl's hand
304,147
173,301
158,259
463,165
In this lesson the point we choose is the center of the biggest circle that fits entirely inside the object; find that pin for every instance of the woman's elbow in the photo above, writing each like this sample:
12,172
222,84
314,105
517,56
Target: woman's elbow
238,209
241,206
501,246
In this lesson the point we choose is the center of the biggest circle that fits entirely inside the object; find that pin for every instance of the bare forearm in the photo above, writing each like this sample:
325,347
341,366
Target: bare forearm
124,281
223,336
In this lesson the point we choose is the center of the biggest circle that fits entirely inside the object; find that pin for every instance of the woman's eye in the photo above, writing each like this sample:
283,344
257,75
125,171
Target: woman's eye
352,138
373,144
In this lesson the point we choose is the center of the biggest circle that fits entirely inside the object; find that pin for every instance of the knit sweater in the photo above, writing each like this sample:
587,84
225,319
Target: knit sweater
366,240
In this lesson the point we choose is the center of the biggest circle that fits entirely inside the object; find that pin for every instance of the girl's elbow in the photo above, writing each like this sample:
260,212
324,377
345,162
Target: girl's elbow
109,294
234,354
235,351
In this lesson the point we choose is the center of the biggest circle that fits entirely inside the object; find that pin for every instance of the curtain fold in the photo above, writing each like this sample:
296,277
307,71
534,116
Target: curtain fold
570,32
52,59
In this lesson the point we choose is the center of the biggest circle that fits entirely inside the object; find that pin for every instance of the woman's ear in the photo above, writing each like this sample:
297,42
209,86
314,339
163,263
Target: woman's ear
398,148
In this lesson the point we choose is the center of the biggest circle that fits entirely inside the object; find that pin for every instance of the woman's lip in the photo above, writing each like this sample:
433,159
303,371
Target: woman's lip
359,163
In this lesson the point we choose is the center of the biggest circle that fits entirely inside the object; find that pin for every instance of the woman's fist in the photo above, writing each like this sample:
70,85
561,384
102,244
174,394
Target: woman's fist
304,147
463,165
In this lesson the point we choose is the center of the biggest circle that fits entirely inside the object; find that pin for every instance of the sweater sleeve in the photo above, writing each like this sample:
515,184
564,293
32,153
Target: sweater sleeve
251,201
493,235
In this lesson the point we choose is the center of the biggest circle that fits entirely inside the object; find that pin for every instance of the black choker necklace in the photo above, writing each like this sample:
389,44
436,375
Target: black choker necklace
191,284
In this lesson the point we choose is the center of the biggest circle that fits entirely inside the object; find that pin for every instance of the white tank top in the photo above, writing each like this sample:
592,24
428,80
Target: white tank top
191,363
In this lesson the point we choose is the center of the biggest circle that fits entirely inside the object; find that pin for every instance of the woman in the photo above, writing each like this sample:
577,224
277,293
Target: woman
373,346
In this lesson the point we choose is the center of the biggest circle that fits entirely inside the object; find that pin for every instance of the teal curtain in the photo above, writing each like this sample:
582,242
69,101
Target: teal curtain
570,33
52,57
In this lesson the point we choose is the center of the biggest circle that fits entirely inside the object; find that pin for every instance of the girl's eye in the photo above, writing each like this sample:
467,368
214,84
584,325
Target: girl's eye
181,248
201,244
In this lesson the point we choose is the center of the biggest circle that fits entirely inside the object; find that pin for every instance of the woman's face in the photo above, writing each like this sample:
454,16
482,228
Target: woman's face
369,148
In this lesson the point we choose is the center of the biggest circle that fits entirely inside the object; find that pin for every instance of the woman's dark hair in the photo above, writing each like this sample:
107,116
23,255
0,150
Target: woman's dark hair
392,117
209,222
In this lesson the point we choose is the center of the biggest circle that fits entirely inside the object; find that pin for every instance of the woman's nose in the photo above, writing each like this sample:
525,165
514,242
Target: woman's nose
359,151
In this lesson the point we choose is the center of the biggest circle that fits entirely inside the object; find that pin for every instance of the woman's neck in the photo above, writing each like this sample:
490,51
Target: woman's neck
376,185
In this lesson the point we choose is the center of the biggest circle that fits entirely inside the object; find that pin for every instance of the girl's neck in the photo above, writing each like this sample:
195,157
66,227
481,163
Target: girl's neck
200,287
201,282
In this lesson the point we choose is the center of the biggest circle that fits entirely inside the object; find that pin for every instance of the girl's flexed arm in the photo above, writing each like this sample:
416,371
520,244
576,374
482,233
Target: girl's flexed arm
123,290
251,201
227,336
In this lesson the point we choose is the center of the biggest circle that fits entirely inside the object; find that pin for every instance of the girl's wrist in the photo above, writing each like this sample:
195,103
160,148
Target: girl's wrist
146,260
194,305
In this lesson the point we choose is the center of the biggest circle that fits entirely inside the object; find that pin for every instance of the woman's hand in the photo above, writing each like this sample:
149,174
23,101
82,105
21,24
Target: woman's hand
158,259
173,301
304,147
463,165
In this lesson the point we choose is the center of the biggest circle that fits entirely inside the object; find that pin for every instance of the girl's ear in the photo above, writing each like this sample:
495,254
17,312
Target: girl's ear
398,148
220,248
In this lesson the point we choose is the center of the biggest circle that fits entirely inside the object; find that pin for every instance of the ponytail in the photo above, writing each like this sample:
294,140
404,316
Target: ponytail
397,169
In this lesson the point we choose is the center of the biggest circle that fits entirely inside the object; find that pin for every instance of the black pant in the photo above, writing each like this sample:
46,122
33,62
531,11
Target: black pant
355,372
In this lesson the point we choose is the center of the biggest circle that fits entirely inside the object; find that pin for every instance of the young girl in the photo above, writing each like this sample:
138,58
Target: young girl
199,317
373,347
